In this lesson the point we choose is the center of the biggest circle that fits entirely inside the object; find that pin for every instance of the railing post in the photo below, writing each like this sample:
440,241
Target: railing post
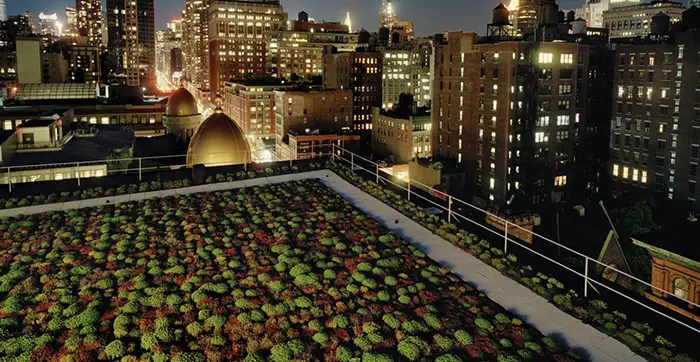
409,189
9,180
140,168
77,167
585,285
505,247
377,175
352,161
449,209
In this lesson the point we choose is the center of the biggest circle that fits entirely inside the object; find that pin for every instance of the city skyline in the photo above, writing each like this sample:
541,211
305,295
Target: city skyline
468,15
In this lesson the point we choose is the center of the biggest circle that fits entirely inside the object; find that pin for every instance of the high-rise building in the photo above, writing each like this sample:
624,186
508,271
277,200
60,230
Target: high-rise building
28,60
298,52
32,21
238,43
407,70
592,11
635,20
169,48
195,43
49,24
655,132
131,40
360,72
3,11
348,22
388,17
90,20
297,111
251,104
70,30
83,63
514,115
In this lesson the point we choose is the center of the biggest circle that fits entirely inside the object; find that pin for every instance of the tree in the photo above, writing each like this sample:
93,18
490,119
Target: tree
638,219
119,160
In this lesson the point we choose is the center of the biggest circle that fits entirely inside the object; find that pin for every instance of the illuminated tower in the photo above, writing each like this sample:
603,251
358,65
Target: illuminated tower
3,12
388,17
348,22
90,20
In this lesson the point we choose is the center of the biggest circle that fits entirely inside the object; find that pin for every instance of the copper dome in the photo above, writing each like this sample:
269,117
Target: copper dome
218,142
181,104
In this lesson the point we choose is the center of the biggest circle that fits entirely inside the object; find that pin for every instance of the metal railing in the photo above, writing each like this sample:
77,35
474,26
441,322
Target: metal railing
135,165
448,204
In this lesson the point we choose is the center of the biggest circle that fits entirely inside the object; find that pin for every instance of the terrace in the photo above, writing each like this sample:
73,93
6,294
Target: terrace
444,244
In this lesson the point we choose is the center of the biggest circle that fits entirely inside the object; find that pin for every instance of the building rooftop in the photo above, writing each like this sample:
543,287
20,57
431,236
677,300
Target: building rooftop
404,114
679,236
4,135
79,149
37,123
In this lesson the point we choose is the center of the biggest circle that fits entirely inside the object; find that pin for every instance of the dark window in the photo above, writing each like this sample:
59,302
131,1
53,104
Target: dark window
694,152
691,188
650,76
627,140
617,139
646,143
565,73
662,144
495,73
693,169
660,161
637,141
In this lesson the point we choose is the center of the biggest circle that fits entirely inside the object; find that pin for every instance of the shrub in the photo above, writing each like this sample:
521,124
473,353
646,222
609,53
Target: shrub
390,281
483,324
448,358
115,349
189,357
463,337
391,321
443,342
281,353
505,343
375,357
409,350
343,354
321,338
534,347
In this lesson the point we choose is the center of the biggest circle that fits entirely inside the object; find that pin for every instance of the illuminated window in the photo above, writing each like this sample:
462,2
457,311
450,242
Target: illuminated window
680,288
492,183
644,177
566,58
620,91
616,170
545,58
541,137
625,172
459,158
495,105
563,120
635,174
560,181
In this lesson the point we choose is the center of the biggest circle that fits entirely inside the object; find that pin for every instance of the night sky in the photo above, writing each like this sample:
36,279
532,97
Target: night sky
429,16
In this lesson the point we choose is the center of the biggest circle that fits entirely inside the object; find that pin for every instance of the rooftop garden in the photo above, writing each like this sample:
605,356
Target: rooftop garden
277,272
633,330
216,176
